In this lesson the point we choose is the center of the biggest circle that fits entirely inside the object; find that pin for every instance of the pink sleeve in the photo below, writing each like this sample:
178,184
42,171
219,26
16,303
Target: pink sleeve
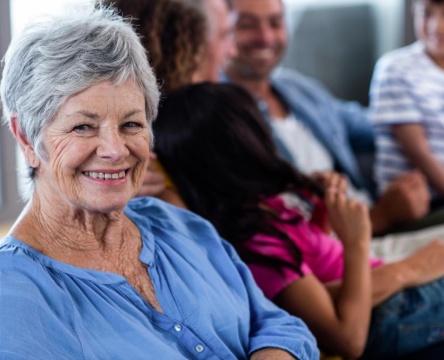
374,262
272,280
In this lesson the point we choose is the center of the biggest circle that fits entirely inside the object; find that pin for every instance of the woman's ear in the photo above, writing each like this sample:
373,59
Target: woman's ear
25,145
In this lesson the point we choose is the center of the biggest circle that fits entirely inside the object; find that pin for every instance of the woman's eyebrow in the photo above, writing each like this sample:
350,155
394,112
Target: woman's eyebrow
85,113
133,112
94,116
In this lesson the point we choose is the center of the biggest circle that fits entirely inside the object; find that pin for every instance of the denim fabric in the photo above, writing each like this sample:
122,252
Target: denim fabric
343,127
408,321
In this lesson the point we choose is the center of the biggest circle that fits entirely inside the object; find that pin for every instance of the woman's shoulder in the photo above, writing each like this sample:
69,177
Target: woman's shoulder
26,283
16,256
31,303
21,271
162,214
160,218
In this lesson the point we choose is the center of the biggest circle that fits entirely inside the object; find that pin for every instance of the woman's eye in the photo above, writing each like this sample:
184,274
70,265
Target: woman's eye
133,125
82,128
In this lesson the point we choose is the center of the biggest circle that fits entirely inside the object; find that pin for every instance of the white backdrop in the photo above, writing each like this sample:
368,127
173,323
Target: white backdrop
24,10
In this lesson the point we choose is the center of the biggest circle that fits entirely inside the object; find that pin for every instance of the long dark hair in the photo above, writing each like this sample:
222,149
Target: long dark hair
215,145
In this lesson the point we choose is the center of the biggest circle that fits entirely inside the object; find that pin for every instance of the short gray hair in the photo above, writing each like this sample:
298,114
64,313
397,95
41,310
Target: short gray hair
60,56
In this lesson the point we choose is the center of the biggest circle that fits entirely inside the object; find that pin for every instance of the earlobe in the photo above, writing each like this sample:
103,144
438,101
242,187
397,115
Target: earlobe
25,145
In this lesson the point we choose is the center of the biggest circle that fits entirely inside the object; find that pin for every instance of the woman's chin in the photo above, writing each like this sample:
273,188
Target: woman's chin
106,205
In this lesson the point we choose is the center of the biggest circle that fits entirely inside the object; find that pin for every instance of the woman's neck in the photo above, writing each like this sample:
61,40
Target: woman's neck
77,237
102,242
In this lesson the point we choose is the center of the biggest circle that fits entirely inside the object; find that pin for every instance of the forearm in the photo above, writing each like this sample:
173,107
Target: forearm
432,169
423,266
353,302
271,354
346,330
387,280
413,141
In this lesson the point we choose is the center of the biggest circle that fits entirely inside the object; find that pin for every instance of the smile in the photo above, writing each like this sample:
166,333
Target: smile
105,176
263,54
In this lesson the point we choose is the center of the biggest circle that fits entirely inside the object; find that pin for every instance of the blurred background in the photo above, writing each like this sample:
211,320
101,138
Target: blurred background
335,41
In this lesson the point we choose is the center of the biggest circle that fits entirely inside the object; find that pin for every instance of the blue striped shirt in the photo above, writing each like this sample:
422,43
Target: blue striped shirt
407,88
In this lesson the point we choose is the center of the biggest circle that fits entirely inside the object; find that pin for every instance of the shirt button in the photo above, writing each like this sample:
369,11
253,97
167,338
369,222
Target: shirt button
178,327
199,348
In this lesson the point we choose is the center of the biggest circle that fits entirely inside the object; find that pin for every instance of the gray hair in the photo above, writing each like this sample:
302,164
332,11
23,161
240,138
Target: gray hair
58,57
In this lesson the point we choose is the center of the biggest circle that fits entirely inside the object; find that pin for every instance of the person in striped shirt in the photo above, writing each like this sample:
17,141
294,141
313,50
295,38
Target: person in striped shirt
407,104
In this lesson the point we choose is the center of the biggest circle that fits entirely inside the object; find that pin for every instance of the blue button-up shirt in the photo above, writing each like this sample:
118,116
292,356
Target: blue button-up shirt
342,127
212,308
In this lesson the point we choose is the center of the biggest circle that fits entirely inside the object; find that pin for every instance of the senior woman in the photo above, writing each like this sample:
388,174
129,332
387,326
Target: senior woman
85,273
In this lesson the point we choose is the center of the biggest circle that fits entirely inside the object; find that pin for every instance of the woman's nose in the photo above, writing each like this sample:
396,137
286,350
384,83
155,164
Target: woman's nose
112,145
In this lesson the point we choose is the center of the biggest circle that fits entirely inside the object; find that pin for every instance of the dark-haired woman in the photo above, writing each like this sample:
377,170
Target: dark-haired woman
213,143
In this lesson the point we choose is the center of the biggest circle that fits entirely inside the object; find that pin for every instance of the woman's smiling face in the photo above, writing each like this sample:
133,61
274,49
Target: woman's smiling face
97,149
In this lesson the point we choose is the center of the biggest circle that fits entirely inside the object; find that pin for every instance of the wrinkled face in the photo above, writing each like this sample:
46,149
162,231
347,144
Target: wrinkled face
260,37
96,148
220,46
429,26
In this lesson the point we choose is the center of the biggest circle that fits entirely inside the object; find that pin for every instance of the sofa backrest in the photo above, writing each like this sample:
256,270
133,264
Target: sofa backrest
335,44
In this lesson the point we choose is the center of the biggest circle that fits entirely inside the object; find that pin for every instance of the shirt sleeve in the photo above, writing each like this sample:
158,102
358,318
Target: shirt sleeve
392,97
30,320
270,325
273,280
349,117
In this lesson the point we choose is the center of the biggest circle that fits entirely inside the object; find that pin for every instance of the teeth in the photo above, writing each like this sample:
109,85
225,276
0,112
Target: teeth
107,176
266,53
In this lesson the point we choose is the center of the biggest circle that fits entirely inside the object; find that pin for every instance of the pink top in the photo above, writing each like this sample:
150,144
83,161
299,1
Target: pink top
322,255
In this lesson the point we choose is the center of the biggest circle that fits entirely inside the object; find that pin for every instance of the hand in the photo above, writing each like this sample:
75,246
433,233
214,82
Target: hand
425,265
406,198
330,179
154,181
349,219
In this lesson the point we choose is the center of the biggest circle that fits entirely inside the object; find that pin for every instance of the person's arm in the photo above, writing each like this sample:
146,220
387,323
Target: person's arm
413,141
406,198
172,196
271,354
154,181
155,184
424,266
340,324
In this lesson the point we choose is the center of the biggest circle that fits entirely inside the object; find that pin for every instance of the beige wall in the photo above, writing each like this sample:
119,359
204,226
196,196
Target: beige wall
4,229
